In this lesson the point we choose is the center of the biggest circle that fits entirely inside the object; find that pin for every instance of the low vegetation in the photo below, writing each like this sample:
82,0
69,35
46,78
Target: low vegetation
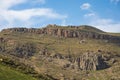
36,56
6,73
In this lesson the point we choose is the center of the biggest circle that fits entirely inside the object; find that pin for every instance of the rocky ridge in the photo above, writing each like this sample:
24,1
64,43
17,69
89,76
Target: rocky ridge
68,32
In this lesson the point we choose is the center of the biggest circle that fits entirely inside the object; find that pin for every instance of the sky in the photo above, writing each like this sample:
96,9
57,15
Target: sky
102,14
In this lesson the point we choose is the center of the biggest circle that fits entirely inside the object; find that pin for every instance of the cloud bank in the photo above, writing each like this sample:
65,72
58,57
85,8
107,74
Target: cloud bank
13,18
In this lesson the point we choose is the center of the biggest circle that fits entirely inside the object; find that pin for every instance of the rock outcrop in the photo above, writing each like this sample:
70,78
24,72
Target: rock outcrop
67,32
86,61
90,61
2,42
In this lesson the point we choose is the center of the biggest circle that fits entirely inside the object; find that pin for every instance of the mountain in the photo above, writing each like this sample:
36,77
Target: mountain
62,52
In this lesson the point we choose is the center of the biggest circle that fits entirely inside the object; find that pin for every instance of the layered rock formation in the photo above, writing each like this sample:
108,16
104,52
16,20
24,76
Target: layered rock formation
86,61
91,61
68,32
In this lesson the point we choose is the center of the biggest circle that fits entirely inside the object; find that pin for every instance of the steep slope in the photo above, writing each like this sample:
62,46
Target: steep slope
58,52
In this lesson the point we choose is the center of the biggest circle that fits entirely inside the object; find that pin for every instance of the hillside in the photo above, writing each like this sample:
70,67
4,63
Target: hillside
9,74
62,52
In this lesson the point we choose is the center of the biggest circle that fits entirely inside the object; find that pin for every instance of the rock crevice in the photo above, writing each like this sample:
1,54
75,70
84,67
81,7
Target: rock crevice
87,61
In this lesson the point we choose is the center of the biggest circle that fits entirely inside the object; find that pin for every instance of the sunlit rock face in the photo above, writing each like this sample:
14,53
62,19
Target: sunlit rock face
68,32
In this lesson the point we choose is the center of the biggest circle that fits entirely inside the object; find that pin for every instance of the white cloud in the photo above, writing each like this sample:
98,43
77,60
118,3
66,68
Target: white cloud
115,1
5,4
27,14
107,25
9,17
85,6
89,15
39,1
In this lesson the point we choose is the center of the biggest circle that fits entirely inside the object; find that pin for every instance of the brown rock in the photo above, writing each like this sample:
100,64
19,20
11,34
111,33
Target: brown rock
71,32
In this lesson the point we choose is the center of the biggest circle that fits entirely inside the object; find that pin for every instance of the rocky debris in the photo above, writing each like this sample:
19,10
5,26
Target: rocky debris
44,52
23,50
86,61
58,56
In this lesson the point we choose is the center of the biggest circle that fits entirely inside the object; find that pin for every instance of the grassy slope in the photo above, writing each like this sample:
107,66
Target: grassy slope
9,74
114,34
82,28
66,45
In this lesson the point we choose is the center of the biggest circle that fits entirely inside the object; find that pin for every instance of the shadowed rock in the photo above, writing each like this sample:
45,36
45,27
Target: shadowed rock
91,61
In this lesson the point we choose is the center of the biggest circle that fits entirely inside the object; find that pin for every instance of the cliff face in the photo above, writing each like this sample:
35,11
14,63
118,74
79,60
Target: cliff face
86,61
68,32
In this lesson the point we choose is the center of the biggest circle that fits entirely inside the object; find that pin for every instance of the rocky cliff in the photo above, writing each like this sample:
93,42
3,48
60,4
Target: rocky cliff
68,32
86,61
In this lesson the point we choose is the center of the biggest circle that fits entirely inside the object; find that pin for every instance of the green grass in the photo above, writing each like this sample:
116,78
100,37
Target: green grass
6,73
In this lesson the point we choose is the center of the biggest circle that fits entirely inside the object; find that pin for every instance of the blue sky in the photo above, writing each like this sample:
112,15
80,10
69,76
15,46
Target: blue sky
103,14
